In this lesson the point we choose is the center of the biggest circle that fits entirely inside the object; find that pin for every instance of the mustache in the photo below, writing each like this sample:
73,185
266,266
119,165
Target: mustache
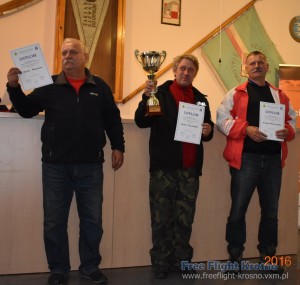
68,61
257,69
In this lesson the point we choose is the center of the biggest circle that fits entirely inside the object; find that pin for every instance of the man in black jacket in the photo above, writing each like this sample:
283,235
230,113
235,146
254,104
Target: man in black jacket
175,167
79,111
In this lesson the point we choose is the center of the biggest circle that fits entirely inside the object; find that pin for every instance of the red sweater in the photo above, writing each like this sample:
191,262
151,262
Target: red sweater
185,94
76,83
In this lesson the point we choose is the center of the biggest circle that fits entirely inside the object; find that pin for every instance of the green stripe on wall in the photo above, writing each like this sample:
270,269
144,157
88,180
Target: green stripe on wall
254,37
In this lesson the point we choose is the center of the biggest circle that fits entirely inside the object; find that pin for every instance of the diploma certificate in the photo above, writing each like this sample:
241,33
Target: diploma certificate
271,119
189,123
31,62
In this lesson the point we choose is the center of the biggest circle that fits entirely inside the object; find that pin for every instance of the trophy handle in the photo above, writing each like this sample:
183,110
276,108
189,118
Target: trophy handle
137,53
163,55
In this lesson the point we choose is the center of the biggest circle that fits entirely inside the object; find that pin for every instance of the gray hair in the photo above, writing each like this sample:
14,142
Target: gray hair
80,43
256,52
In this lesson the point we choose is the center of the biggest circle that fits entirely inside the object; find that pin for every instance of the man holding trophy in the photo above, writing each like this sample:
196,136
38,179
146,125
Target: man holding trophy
175,159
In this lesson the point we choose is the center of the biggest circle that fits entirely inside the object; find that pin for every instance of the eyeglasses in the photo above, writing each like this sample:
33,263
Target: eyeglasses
70,52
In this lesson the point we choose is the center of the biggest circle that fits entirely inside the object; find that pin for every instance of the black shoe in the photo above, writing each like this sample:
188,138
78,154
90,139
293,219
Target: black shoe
264,251
278,270
235,256
235,267
56,279
233,271
161,272
96,276
175,268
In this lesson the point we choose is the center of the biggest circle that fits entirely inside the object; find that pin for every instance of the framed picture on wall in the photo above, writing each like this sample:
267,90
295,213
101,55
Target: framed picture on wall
171,12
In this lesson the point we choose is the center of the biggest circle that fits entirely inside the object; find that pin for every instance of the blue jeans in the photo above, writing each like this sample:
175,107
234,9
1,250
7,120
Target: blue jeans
60,181
263,172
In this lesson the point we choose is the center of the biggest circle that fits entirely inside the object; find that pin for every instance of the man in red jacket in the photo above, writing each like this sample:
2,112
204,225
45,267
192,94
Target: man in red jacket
255,161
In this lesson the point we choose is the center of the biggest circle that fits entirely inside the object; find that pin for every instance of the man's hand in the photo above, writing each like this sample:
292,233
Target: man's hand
206,129
117,158
12,77
150,86
255,134
282,134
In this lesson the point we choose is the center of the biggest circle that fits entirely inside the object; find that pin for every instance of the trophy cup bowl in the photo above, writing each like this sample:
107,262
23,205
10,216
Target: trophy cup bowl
151,61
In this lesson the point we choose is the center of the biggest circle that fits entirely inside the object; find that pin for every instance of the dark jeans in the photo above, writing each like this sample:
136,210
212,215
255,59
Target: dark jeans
173,195
263,172
60,181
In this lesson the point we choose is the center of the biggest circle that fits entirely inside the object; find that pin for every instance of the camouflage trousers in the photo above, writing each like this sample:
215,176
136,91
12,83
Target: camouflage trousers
173,195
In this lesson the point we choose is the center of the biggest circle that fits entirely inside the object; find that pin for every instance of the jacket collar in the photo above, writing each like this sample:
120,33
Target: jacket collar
61,78
165,88
243,87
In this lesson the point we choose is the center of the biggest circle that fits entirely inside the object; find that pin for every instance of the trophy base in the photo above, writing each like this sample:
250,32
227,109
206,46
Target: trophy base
153,111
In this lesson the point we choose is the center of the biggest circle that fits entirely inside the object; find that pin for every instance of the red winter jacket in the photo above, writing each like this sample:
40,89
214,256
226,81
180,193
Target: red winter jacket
231,121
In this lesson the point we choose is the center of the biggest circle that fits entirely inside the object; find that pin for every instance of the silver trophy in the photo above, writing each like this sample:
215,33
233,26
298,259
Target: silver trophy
151,62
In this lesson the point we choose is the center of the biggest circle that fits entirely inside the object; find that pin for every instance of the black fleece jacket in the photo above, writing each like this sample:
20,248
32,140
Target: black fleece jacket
75,125
165,152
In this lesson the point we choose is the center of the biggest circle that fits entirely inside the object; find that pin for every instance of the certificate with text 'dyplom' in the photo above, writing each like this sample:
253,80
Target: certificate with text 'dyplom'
271,119
189,123
30,60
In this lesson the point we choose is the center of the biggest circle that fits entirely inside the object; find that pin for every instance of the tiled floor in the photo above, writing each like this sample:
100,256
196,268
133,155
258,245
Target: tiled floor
144,276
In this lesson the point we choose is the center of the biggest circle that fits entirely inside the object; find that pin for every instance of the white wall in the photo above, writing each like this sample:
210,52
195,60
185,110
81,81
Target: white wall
199,18
35,24
144,31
